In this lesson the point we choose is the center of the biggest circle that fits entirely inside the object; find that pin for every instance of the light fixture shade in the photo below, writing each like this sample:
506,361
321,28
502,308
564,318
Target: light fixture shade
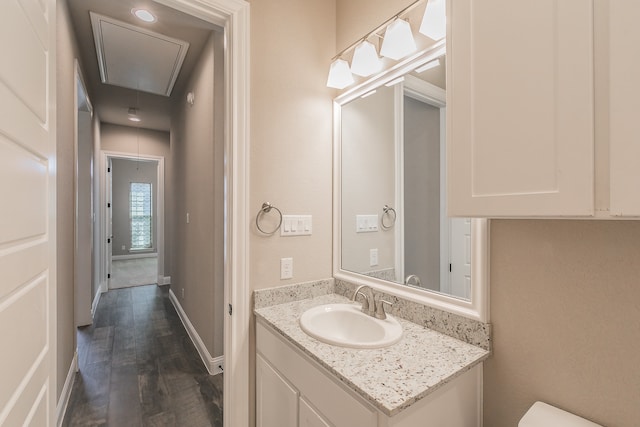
398,40
434,22
339,74
365,60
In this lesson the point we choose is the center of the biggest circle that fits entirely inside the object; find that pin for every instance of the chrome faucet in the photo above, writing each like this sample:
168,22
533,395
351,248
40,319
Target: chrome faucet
412,278
370,305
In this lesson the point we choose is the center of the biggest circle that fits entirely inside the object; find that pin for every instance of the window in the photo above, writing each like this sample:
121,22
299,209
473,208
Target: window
140,213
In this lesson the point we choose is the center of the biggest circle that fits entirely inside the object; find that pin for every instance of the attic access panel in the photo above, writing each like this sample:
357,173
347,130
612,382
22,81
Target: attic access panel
136,58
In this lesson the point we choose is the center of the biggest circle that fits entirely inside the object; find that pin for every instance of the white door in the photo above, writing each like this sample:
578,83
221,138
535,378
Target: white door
109,194
27,213
460,257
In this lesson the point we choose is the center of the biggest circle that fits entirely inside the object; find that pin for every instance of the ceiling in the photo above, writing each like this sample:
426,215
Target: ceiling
113,102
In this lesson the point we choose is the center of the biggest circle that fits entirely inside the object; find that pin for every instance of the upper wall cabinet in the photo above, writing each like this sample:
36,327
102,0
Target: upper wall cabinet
624,106
520,95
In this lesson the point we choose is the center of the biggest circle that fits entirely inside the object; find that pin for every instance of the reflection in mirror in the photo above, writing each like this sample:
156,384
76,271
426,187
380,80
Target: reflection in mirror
393,223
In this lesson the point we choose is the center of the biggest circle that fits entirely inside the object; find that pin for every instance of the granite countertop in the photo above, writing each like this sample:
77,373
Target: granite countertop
391,378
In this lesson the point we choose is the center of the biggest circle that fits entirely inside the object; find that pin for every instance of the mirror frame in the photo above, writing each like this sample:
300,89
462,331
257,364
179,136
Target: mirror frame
477,308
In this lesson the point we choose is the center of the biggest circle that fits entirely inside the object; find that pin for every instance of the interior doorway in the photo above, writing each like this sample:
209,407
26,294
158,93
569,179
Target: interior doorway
134,219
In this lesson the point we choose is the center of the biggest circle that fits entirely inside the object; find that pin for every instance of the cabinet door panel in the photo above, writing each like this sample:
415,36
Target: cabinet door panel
309,417
624,104
520,101
276,400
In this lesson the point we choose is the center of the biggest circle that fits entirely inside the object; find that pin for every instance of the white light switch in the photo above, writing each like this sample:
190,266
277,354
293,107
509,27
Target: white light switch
366,223
296,225
373,257
188,218
286,268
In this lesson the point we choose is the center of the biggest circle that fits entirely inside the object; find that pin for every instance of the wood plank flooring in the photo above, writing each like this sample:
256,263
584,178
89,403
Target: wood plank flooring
138,367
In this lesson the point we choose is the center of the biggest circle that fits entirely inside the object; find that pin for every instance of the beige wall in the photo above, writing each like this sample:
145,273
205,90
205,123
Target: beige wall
368,178
355,18
292,43
565,309
65,84
422,192
198,164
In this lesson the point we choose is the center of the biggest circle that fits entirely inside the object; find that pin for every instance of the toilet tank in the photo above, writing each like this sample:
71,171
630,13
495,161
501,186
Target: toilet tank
543,415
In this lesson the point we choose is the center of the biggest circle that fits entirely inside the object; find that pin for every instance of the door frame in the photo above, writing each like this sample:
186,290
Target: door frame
106,187
233,16
83,298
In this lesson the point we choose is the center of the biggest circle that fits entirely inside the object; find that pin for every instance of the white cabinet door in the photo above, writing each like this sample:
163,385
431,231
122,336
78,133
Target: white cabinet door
276,400
309,417
520,100
624,107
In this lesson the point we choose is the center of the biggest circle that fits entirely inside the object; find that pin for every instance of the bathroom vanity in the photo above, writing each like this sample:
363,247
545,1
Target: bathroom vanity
426,379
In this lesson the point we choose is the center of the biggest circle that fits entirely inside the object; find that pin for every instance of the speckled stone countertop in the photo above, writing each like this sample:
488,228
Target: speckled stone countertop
391,378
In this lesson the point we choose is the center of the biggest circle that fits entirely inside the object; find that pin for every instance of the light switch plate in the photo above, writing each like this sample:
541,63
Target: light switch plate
296,225
366,223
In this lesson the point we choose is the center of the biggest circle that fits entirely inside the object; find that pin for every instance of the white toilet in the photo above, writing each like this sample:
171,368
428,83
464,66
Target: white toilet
543,415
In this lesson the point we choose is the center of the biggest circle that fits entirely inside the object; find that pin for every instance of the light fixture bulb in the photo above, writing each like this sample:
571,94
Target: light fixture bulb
365,60
398,40
339,74
434,22
143,15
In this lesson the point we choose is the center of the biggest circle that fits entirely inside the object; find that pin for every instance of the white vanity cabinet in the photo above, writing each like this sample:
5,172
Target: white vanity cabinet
294,391
543,103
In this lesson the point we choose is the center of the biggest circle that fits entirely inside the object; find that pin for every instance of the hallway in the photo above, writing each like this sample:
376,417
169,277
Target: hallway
138,367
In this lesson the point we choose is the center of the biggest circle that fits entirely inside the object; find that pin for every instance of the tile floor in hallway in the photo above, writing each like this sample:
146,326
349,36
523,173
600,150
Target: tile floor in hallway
138,367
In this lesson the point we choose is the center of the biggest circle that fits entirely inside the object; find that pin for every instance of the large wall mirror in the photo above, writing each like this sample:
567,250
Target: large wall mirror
390,222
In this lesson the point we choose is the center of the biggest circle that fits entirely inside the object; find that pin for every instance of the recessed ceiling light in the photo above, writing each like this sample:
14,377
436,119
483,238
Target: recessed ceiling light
144,15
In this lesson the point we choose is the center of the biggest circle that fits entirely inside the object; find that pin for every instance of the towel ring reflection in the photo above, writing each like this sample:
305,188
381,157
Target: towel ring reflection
266,208
386,212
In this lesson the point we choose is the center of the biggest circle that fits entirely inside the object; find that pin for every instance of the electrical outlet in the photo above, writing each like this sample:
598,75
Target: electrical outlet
182,292
124,247
286,268
373,257
188,219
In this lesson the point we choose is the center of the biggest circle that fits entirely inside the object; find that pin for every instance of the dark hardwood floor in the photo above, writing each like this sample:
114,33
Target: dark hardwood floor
138,367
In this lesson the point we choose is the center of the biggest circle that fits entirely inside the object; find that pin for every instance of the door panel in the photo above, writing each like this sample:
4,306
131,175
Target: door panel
27,219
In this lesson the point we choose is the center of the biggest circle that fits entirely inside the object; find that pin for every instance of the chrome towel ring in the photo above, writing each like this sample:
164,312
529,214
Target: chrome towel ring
266,208
387,212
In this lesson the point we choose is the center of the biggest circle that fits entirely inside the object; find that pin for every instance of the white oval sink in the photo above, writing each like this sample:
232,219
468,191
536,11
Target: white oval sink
346,326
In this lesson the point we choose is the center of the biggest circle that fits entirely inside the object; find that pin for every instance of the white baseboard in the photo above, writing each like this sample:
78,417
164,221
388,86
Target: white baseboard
96,299
63,402
135,256
213,365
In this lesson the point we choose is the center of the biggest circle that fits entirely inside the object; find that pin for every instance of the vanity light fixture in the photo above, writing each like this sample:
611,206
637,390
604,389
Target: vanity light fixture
133,115
429,65
368,93
434,21
395,81
398,40
144,15
365,60
339,74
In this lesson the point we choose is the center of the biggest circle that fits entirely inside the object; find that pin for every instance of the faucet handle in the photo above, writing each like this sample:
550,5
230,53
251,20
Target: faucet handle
365,302
380,313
